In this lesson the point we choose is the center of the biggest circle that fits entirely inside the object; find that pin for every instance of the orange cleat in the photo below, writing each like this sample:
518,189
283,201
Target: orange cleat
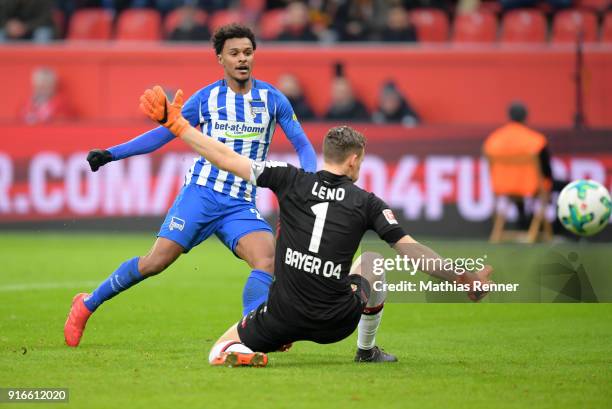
233,359
76,321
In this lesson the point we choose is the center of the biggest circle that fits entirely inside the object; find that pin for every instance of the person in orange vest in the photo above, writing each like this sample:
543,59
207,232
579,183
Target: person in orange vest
516,138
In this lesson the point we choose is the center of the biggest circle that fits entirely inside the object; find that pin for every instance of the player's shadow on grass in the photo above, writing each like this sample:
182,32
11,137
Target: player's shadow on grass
279,360
284,360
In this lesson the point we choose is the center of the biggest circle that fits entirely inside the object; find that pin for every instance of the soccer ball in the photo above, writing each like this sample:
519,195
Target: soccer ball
584,207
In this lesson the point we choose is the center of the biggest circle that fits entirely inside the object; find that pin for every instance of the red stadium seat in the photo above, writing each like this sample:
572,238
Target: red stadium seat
139,24
596,5
223,17
173,19
90,24
475,27
271,24
569,23
253,7
524,26
606,29
431,25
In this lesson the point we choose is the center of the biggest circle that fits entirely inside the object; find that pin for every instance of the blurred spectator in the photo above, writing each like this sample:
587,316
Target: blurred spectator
393,108
516,4
114,6
290,86
26,20
297,25
357,20
188,28
276,4
443,5
398,28
165,6
46,104
344,105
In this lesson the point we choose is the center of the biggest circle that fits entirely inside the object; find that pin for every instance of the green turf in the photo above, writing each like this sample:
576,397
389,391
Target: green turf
148,348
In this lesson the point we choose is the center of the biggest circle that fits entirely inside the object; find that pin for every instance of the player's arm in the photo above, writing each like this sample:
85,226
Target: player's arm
217,153
145,143
292,128
407,246
155,105
384,223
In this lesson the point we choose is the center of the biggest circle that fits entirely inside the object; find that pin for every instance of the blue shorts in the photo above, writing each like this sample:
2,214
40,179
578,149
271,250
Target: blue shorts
198,212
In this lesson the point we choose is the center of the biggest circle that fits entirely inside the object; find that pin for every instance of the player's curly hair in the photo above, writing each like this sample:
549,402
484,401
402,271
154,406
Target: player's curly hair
340,142
229,31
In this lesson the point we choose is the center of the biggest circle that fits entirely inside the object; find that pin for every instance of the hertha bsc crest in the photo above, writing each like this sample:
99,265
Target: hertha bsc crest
257,107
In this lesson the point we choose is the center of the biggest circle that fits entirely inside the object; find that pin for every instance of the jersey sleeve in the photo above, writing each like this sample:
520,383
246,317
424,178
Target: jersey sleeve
278,176
382,220
156,138
292,128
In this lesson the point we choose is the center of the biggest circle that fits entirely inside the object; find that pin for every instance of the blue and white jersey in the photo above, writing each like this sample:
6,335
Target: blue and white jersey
243,122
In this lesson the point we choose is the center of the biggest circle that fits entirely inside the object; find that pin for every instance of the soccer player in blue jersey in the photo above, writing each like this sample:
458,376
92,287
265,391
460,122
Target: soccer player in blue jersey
240,112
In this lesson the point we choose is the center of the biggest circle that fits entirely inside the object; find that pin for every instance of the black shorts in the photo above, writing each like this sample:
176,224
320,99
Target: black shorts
262,332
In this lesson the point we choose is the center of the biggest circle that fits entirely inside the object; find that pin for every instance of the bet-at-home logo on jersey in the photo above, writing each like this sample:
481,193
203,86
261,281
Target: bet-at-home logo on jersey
239,130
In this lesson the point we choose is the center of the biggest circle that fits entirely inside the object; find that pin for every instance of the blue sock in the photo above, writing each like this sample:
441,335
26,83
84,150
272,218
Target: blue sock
255,290
123,278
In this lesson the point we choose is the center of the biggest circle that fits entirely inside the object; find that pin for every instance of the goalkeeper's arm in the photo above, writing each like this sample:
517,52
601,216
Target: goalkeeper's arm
155,105
217,153
433,264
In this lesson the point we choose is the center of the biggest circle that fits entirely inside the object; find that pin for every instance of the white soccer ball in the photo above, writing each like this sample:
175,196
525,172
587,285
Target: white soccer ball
584,207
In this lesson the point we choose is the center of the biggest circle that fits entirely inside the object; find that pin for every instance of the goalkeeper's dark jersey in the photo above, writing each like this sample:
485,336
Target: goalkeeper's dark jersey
323,217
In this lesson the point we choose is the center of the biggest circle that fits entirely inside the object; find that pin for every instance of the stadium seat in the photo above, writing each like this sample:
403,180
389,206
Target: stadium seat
569,23
475,27
606,29
139,24
90,24
253,7
431,25
271,24
223,17
173,19
523,26
595,5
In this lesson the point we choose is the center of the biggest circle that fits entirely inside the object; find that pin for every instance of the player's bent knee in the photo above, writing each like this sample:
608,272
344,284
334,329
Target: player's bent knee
367,265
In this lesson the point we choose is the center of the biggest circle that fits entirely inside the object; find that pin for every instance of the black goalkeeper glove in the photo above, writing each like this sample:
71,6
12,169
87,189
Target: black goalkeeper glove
97,158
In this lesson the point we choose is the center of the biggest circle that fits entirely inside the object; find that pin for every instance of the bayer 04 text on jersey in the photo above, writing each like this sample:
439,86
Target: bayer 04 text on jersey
312,264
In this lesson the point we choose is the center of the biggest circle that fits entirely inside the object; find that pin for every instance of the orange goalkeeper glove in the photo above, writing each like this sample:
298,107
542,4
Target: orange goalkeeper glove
154,104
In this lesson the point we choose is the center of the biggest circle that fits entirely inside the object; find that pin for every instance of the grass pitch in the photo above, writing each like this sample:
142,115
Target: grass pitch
148,348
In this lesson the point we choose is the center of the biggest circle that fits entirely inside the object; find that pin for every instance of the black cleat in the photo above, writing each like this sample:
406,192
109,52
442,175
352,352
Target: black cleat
374,355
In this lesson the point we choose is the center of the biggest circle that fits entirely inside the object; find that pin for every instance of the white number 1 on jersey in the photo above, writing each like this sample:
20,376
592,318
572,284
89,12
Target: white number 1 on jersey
320,210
